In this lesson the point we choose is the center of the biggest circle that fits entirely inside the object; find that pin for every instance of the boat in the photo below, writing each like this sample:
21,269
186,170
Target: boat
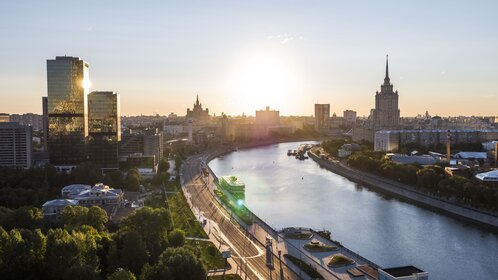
234,186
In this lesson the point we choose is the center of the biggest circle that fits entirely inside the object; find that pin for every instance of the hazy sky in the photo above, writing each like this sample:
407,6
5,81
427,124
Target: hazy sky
243,55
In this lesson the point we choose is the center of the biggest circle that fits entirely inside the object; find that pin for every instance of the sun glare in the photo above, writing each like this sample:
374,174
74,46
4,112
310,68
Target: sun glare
263,80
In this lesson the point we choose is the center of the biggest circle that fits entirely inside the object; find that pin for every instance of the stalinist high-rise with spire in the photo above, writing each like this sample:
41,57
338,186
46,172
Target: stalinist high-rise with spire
385,116
386,112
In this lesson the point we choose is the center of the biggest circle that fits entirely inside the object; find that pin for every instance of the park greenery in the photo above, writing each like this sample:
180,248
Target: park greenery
429,179
150,243
319,247
339,261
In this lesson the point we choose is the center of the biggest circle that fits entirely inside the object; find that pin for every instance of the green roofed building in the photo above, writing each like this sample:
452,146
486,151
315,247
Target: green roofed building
233,185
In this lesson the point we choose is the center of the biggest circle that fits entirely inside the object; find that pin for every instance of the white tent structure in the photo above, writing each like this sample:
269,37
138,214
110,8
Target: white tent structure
491,176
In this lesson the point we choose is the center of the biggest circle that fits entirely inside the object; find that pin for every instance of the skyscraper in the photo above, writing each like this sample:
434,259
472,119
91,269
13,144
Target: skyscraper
67,86
322,116
104,126
386,113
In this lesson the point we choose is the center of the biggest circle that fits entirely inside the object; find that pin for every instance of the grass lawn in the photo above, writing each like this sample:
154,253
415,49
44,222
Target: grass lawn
340,260
319,247
308,269
182,216
210,256
227,277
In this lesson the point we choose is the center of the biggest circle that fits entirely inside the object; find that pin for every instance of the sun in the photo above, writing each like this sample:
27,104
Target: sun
261,80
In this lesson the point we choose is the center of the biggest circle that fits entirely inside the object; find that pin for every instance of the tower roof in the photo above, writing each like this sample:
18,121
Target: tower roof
386,79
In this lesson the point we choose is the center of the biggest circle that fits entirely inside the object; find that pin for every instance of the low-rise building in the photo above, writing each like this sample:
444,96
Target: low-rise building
488,177
402,273
412,159
53,209
73,190
100,195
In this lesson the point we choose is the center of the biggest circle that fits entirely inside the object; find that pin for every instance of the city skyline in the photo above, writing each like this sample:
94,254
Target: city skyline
159,56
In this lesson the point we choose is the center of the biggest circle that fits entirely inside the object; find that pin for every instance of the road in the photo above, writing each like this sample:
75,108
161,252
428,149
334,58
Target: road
247,252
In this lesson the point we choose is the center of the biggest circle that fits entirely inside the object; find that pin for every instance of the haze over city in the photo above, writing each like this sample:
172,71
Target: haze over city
243,56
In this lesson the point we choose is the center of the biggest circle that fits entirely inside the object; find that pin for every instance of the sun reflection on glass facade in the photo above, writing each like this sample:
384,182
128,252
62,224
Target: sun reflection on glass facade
67,110
104,126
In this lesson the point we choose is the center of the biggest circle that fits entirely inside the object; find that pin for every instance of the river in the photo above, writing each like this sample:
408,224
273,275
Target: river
285,192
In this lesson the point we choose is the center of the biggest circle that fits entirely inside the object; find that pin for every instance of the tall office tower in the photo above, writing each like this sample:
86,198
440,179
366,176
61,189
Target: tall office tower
15,145
67,86
386,113
322,116
104,128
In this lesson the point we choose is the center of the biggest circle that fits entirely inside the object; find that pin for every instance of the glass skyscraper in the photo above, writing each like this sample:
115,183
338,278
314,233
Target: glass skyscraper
104,124
67,85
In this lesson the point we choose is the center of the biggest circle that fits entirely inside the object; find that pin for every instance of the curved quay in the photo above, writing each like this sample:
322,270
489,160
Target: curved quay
405,192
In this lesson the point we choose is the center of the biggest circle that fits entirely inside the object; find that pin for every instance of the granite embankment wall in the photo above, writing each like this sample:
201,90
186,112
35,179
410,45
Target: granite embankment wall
408,193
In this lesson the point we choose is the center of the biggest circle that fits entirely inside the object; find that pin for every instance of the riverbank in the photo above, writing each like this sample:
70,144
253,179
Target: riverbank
406,193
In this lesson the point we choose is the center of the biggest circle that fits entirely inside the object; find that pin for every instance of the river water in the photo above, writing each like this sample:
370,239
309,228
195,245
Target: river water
285,191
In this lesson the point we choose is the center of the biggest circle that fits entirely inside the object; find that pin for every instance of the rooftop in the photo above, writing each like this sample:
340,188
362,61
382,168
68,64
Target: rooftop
60,202
402,271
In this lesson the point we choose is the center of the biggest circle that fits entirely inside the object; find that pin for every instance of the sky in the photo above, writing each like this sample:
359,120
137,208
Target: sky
240,56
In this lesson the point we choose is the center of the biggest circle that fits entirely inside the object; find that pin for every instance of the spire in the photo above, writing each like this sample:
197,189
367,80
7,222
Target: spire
197,100
386,79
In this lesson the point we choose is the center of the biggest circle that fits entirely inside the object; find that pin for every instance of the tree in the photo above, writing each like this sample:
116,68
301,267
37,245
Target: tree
64,250
114,178
176,238
22,252
163,166
23,217
132,181
153,225
87,173
182,264
156,272
121,274
97,218
133,253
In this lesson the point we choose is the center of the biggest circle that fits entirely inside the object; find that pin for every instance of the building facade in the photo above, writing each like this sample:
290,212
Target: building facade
349,118
386,113
197,114
392,140
322,115
104,128
15,145
267,117
67,89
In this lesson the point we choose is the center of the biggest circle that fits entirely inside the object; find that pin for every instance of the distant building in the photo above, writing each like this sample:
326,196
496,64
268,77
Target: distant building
267,117
322,115
392,140
402,273
197,114
34,120
104,128
4,117
385,116
45,122
412,159
67,90
349,118
15,145
153,144
53,209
